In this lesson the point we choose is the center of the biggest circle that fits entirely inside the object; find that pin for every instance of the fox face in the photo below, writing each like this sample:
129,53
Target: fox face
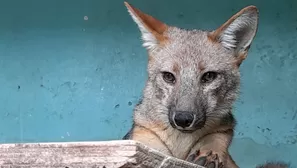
193,75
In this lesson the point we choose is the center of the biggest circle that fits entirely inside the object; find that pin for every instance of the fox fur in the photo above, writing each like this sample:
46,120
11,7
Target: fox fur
193,81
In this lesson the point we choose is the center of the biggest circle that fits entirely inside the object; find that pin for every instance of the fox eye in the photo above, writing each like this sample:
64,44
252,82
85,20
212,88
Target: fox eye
209,77
168,77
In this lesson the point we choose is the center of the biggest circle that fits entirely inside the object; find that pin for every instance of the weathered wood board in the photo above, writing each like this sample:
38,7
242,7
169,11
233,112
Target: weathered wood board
103,154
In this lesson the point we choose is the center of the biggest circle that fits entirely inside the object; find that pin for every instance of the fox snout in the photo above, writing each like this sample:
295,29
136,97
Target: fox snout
186,121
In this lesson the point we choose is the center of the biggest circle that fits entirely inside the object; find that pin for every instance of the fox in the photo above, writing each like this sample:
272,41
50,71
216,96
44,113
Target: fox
193,80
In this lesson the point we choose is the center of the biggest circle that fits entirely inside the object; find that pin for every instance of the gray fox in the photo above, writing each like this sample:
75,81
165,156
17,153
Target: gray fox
193,81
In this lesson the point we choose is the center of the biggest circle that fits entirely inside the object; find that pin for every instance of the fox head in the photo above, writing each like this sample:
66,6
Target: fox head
193,75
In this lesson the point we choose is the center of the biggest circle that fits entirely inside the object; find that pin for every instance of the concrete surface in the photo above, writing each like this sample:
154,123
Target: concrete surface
72,70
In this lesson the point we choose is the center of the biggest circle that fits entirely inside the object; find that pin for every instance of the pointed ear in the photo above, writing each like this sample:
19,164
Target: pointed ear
239,31
152,30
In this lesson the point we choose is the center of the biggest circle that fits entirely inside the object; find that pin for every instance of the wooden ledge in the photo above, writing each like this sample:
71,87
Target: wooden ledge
103,154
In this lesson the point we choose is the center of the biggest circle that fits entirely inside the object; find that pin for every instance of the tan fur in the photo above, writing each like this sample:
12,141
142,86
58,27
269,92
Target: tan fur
147,136
213,36
176,68
201,66
181,145
240,59
155,26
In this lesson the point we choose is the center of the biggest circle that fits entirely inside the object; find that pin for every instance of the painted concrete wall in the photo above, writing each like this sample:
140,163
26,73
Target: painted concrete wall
67,77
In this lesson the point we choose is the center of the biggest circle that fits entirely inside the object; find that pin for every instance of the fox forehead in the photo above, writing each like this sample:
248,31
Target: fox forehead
192,50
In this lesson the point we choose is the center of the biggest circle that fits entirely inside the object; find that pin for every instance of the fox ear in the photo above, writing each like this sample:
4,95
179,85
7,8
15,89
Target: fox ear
239,31
152,30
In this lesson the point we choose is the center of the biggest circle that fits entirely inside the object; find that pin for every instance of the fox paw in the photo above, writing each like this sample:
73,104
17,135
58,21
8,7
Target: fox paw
206,159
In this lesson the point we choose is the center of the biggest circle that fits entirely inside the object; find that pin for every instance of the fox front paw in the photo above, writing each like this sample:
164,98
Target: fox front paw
207,159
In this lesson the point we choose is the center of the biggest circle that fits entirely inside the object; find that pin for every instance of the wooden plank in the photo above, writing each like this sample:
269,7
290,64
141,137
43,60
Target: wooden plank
103,154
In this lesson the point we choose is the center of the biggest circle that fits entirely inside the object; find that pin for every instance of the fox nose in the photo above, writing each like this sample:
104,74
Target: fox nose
183,118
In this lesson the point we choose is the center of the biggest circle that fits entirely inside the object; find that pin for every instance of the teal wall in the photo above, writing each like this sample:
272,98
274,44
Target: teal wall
64,78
